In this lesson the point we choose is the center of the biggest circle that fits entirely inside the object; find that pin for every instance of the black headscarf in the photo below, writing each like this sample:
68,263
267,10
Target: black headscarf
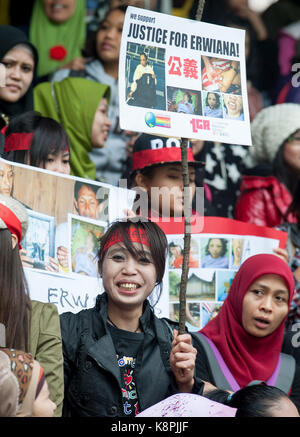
10,37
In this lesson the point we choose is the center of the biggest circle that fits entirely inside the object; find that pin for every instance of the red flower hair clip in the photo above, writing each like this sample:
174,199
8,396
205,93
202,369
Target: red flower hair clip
58,53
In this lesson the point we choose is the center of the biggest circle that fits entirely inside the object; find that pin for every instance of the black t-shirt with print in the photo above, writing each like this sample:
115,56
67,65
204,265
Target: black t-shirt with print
127,345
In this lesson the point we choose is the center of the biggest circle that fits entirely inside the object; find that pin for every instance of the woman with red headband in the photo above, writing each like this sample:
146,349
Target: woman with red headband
119,358
39,141
243,342
30,325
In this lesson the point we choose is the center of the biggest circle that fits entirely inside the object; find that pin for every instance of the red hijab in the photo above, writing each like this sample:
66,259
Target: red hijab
247,357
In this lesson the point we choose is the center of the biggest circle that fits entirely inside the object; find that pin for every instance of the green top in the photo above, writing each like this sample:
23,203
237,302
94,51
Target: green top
45,345
45,34
73,103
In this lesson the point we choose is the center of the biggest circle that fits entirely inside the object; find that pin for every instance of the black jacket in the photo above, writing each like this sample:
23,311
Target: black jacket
92,376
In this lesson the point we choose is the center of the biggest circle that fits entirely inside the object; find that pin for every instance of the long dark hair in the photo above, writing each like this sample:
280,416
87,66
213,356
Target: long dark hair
294,207
218,103
156,237
15,305
223,242
255,400
283,172
90,49
49,137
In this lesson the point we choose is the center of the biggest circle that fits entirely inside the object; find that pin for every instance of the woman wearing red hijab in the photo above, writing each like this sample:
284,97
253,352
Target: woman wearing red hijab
243,342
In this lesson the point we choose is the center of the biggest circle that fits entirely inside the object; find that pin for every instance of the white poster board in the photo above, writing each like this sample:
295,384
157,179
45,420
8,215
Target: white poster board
183,78
67,216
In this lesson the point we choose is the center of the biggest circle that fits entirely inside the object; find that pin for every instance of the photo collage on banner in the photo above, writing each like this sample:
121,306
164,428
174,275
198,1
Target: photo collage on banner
67,216
214,260
183,76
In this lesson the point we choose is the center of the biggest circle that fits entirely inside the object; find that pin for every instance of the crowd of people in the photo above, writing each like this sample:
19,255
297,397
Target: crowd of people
59,111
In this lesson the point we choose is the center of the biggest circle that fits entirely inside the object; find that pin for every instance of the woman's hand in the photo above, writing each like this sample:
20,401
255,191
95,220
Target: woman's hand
62,256
282,253
27,261
52,265
182,361
75,64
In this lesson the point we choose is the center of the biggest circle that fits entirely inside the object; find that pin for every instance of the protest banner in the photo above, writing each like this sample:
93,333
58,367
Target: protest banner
216,253
67,216
187,83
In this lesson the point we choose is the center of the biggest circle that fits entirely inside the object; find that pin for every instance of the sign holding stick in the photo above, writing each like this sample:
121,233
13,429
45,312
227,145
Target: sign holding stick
183,76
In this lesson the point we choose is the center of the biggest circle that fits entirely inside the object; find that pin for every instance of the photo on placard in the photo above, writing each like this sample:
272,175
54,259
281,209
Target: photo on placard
200,285
215,253
184,101
238,247
220,75
208,310
176,254
223,283
192,314
91,200
84,243
212,104
145,76
233,107
38,243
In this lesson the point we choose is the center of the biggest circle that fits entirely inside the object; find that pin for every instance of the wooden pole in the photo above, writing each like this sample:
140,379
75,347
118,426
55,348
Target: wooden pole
187,216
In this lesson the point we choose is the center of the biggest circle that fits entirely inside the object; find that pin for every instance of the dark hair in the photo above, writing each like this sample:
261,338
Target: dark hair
78,185
156,237
49,137
295,205
15,305
224,245
218,103
90,49
144,54
172,244
189,96
254,400
282,171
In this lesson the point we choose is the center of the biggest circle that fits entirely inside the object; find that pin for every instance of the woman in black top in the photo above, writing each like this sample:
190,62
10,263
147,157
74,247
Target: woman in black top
119,357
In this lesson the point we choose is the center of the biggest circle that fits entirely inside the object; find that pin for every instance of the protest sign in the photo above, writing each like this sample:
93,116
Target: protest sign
215,256
183,78
67,216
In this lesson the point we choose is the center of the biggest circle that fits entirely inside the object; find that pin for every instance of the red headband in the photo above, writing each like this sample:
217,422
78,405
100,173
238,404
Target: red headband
12,222
18,141
134,235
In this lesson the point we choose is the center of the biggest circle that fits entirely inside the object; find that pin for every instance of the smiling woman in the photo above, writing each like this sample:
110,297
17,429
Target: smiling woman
20,59
244,340
127,360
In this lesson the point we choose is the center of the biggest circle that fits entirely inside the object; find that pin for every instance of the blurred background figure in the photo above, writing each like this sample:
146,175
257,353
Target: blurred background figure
20,59
81,106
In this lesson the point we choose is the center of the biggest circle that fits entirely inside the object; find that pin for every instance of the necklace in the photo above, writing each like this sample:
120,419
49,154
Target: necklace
113,324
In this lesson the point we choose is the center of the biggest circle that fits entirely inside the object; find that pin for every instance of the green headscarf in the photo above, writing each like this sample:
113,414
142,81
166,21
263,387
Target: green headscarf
45,34
73,103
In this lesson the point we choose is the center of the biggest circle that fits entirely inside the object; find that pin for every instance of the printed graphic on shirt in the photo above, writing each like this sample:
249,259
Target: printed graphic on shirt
129,393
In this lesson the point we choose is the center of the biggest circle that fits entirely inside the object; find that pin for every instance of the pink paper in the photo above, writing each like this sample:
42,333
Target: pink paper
188,405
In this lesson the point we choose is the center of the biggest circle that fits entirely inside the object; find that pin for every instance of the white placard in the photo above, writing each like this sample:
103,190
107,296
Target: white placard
183,78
